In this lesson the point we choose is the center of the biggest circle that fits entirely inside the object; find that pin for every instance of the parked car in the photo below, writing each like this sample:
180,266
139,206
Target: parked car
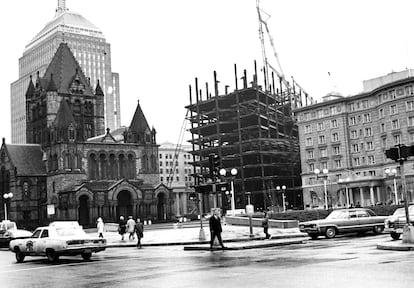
57,239
396,222
344,221
9,231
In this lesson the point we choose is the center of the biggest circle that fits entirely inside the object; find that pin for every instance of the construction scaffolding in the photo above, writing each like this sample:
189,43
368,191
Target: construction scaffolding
254,131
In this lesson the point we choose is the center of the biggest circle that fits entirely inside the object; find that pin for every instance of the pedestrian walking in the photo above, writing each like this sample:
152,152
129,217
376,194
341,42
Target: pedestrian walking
122,227
130,226
139,229
215,229
100,226
265,225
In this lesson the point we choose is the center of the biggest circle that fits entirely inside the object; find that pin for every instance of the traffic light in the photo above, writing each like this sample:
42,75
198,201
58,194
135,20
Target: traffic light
213,164
392,154
222,186
400,152
203,188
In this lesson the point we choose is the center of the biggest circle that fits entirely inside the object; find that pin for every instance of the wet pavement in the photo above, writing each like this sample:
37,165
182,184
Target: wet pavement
234,237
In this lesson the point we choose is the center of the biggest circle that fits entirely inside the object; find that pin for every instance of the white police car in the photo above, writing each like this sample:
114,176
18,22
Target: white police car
57,239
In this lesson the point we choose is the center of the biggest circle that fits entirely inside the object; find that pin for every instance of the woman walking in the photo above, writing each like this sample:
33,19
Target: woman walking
100,226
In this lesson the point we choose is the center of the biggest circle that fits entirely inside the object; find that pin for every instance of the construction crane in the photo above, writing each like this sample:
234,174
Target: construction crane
278,70
177,151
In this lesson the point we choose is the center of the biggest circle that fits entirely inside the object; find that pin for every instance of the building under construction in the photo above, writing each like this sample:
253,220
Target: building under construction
253,130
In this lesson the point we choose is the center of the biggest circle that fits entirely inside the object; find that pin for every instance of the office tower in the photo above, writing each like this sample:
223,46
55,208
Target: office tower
91,51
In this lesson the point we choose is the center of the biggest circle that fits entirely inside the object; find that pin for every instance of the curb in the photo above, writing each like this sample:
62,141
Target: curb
244,247
244,239
401,247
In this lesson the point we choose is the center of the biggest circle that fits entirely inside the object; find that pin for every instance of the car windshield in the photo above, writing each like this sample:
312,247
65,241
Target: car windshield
70,231
337,215
8,225
400,212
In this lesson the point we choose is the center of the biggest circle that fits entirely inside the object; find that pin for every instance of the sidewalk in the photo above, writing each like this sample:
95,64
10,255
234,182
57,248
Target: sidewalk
234,237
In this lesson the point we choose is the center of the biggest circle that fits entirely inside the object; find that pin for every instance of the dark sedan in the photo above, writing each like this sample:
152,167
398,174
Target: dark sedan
344,221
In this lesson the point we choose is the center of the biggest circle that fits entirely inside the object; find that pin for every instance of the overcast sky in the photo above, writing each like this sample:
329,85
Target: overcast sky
160,46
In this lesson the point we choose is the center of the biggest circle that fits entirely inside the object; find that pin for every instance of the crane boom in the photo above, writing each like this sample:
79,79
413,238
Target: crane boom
177,152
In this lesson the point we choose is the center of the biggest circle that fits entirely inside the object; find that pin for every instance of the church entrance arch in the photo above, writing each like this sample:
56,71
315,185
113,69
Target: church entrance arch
124,207
83,210
161,206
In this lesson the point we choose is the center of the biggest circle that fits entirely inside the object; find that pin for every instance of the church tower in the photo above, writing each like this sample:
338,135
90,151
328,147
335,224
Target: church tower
61,106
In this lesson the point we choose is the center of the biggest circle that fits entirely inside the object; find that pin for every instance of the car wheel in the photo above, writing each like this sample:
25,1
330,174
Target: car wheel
86,256
395,236
378,229
19,255
330,232
314,236
51,255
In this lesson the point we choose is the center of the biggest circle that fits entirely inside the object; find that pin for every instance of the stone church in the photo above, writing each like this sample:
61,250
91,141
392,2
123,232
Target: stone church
73,169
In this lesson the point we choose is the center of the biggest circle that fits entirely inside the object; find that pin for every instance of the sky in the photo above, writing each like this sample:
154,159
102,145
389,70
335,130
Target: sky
159,47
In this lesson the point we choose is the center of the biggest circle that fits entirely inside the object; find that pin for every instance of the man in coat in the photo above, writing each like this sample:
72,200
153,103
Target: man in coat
215,229
139,229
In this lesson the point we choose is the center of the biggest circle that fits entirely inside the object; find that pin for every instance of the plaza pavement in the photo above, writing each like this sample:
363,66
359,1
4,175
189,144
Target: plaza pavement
234,237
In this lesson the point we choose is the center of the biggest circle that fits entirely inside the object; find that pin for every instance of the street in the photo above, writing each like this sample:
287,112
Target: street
347,261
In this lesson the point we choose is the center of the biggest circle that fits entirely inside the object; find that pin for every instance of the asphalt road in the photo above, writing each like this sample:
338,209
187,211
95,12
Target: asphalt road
350,261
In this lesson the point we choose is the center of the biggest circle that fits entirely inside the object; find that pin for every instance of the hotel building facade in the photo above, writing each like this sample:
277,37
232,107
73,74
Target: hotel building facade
345,138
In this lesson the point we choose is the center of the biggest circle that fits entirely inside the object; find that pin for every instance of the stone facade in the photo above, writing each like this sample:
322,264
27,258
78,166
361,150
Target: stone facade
80,173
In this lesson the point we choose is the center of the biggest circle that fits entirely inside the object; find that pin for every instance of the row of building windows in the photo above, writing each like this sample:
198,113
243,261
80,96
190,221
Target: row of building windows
337,163
186,171
366,132
365,118
363,105
170,156
177,178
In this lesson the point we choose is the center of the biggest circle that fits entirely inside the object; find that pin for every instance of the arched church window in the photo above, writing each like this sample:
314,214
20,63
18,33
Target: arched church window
113,167
92,167
153,163
122,165
131,166
55,162
144,163
78,159
103,165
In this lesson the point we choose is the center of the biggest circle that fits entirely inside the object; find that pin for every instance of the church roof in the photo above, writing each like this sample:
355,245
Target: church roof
64,69
27,158
64,116
117,134
139,123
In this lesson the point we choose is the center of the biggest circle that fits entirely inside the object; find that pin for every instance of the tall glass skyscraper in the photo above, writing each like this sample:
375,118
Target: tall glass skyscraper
92,52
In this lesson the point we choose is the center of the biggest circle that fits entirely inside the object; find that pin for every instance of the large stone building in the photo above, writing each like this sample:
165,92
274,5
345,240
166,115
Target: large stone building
346,138
93,53
73,170
176,172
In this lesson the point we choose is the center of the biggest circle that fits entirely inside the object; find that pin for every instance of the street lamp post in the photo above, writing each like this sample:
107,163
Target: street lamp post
233,173
325,178
250,214
7,196
393,172
283,196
